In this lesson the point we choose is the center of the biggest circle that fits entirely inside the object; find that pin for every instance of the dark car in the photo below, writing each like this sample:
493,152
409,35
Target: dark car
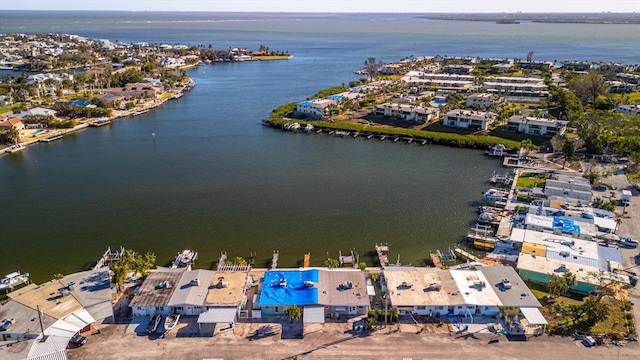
78,340
154,323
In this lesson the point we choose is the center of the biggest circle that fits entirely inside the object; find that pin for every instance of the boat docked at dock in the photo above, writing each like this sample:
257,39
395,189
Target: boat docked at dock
292,126
309,128
186,258
12,280
498,150
493,195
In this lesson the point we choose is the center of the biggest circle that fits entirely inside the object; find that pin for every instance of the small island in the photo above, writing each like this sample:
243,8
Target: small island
59,83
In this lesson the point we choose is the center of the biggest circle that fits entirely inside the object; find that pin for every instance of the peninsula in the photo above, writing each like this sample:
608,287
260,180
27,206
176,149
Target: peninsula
57,83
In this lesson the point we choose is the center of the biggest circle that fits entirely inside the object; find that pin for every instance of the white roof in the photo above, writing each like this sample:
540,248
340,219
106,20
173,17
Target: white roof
218,315
533,316
58,336
313,315
472,292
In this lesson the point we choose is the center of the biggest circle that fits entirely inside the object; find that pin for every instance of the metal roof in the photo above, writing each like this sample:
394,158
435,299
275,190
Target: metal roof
313,314
58,336
157,288
192,288
574,257
93,290
218,315
518,295
533,316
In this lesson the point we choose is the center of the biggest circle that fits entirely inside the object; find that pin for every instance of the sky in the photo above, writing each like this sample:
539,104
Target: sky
331,6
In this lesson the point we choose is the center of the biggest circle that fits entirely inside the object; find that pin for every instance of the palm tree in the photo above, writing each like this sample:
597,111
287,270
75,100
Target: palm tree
556,286
293,312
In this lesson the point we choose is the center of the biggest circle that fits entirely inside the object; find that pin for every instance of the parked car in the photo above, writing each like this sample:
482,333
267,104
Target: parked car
154,323
78,340
589,341
628,242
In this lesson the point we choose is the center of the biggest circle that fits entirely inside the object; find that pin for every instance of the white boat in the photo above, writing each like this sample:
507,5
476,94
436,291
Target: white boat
186,257
292,126
171,321
308,128
13,279
498,150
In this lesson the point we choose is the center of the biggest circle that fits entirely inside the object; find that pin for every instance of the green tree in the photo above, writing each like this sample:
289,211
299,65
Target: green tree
362,265
558,285
332,263
293,312
595,309
589,86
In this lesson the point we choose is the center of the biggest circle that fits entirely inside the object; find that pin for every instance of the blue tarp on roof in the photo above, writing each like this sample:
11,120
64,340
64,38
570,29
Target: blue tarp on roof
80,103
284,288
305,103
565,225
607,253
335,97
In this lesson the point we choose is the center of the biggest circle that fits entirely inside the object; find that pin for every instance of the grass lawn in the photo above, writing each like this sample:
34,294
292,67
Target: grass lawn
4,110
635,96
531,180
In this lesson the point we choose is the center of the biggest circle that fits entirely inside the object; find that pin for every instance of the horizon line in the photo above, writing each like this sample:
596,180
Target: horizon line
327,12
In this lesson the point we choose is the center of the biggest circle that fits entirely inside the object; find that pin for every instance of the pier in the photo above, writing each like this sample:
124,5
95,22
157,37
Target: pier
274,259
100,122
222,262
108,257
465,254
435,259
383,254
306,260
348,259
52,137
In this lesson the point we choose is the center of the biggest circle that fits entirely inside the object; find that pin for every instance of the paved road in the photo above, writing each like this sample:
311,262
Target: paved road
113,343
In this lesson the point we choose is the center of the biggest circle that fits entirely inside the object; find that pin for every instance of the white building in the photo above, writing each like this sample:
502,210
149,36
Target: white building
408,112
536,126
314,109
484,100
467,119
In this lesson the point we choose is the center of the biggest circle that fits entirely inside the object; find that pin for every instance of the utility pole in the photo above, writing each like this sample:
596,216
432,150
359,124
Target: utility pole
44,338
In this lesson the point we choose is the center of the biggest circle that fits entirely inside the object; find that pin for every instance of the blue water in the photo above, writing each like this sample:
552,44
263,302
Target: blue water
214,179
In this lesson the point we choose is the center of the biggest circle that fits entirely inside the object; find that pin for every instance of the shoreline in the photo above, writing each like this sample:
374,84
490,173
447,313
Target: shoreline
140,109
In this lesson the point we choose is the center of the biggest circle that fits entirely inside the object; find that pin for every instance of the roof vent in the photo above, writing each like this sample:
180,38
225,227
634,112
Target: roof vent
506,284
195,282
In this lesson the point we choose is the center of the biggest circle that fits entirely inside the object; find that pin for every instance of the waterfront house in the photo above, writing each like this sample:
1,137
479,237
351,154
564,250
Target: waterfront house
436,292
481,100
320,293
5,100
114,101
467,119
10,123
67,306
155,292
418,114
632,110
569,189
543,254
314,109
536,125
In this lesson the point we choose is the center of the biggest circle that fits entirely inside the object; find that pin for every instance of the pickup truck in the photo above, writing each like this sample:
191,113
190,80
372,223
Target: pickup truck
628,242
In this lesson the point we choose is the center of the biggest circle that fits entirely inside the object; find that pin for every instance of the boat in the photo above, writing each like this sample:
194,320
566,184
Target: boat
497,150
13,279
186,257
154,323
342,133
292,126
493,196
489,217
171,321
308,128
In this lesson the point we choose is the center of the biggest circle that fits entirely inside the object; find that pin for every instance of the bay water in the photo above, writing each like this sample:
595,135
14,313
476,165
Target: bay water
203,173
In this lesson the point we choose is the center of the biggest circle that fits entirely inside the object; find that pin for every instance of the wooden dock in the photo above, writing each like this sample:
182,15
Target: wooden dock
274,259
52,137
222,261
435,259
307,260
383,254
108,257
465,254
348,259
